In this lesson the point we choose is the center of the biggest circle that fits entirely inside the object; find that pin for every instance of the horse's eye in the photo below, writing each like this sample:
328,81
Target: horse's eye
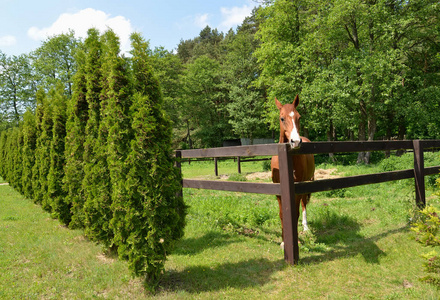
282,119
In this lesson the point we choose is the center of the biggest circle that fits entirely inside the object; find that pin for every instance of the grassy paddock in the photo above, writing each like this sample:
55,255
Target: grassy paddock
360,247
41,259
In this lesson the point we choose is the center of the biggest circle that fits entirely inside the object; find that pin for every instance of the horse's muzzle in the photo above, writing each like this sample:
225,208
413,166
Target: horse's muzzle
295,144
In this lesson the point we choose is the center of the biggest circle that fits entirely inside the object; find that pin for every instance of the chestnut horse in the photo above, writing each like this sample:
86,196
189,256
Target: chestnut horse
304,164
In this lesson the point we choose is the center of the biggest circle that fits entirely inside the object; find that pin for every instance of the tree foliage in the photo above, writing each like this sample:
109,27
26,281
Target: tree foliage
96,184
54,61
353,62
56,196
28,150
150,202
42,154
17,88
77,116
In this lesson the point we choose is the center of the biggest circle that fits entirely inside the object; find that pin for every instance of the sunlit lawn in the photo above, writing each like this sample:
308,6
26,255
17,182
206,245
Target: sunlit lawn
360,247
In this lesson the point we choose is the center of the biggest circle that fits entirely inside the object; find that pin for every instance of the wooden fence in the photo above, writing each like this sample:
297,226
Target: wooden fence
287,190
216,159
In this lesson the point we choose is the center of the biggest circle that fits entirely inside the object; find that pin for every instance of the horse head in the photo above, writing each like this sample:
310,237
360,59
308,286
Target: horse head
289,123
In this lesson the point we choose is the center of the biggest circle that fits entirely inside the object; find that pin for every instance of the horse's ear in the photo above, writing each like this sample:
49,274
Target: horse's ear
278,103
296,101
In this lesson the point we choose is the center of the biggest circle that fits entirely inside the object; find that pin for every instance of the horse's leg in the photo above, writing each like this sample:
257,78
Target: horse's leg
304,201
281,218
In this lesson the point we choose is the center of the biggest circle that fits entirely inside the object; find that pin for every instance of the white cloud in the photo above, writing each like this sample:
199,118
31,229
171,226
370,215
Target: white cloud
7,41
201,20
234,16
81,21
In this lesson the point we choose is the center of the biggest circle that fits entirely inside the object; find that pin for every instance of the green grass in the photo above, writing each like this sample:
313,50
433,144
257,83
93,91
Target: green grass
228,167
41,259
359,247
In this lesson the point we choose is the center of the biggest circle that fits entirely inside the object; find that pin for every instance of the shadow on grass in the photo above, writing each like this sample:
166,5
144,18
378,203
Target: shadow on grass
240,275
214,277
212,239
341,235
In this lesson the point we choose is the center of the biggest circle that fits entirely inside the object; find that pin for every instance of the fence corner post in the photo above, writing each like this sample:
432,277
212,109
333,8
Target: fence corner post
290,213
419,173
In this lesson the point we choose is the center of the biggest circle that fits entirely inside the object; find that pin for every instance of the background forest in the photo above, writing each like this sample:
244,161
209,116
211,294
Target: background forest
364,70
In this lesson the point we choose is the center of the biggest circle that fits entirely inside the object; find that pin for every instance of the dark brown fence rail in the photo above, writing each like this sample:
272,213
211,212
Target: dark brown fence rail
287,190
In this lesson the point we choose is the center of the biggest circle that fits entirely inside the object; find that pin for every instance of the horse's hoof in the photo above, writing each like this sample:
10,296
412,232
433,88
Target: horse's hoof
282,246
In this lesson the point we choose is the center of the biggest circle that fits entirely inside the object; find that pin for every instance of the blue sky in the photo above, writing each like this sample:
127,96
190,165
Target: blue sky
25,23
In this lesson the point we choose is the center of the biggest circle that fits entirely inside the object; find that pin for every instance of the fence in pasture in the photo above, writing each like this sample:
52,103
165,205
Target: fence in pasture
287,190
216,159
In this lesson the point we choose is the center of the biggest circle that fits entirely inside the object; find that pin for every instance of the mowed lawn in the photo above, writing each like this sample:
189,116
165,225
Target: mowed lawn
359,247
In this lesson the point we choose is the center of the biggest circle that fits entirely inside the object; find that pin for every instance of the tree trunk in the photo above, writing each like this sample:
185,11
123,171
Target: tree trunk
331,136
371,132
362,130
188,135
401,134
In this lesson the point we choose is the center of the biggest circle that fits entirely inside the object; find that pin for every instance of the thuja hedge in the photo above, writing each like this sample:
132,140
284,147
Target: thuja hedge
102,159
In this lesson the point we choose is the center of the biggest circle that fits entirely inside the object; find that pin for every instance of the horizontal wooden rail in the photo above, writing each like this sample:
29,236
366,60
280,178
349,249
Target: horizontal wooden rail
367,146
308,148
350,181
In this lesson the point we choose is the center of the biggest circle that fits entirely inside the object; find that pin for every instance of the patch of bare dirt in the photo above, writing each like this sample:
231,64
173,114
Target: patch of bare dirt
326,174
259,175
105,259
4,183
319,174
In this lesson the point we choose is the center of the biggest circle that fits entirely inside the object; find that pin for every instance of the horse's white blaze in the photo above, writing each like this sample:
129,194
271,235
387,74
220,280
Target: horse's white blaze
294,140
304,221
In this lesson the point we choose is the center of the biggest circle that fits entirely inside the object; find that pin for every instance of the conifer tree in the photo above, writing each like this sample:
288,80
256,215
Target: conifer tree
55,194
3,151
151,216
10,147
116,120
77,113
39,153
42,154
29,146
17,159
96,183
6,153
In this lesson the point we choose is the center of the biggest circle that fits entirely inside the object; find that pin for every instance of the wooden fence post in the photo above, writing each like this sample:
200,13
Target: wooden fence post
239,166
419,173
290,214
216,166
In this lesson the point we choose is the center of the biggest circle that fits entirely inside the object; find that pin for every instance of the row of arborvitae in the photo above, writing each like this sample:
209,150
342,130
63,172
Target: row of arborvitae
102,160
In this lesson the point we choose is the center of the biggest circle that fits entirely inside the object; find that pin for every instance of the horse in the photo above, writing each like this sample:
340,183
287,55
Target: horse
304,163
